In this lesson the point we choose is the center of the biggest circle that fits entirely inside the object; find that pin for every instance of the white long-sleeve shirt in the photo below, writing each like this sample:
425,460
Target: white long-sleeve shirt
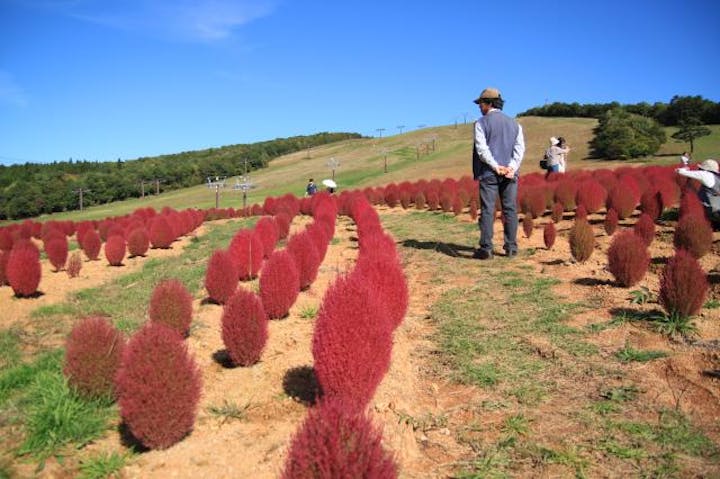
705,177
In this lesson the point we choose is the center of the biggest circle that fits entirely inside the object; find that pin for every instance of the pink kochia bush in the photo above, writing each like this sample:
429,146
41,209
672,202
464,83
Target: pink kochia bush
138,241
91,244
23,270
335,442
611,221
279,284
582,240
56,250
221,276
352,342
683,285
161,232
549,234
158,386
74,265
244,327
645,228
694,234
247,252
267,231
628,258
171,305
92,357
115,250
307,259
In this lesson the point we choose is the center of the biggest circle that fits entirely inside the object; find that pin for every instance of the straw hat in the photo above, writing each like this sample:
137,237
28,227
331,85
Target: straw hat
709,165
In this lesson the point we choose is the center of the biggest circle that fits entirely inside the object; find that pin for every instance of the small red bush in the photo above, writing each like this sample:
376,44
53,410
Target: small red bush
651,203
161,232
528,225
335,442
171,305
138,241
57,252
611,221
628,258
247,252
690,204
115,250
557,212
244,327
622,201
221,276
581,213
6,239
74,265
307,260
420,201
694,234
352,342
645,228
4,257
267,231
320,237
683,285
549,234
158,386
565,193
23,269
91,244
582,240
591,195
534,202
93,351
279,284
283,220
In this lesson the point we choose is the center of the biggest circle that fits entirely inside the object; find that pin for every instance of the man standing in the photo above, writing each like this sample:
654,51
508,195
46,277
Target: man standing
498,151
311,188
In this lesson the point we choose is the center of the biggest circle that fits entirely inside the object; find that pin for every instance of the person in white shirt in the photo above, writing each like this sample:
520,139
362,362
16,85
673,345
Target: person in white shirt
708,175
685,158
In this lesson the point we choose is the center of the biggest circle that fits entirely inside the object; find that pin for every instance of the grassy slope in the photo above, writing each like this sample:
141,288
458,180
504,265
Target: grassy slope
362,163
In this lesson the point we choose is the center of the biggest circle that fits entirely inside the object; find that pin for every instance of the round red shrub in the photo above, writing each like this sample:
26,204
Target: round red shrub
283,220
158,386
267,231
549,234
74,265
244,328
221,276
307,260
581,213
171,305
334,442
6,239
352,342
279,284
690,204
247,252
320,238
611,221
694,234
420,201
645,228
533,201
528,225
138,241
57,252
628,258
93,351
557,212
565,193
115,250
23,269
91,244
161,233
683,285
591,195
582,240
4,257
622,201
651,203
392,195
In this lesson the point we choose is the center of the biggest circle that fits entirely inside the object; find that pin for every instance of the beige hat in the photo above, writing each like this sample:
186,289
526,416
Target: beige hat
554,141
709,165
488,94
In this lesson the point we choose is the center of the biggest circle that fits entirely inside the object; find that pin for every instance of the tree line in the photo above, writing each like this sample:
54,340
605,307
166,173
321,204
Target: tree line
31,189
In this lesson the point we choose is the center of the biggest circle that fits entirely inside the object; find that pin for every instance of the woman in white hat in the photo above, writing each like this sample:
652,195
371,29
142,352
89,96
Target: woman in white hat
555,155
708,175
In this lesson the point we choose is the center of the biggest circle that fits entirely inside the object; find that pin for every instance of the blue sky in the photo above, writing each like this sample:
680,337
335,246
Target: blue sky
100,80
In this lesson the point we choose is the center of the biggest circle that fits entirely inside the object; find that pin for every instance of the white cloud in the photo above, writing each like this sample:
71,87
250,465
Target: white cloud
10,92
186,20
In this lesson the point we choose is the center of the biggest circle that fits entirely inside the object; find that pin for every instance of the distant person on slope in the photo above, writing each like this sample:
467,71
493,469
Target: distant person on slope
311,188
498,150
555,156
685,158
709,192
563,159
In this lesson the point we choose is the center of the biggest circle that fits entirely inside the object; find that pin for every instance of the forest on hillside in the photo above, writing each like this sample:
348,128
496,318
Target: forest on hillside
31,189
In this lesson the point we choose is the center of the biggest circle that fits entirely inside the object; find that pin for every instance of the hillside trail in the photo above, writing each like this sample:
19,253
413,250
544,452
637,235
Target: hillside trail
247,416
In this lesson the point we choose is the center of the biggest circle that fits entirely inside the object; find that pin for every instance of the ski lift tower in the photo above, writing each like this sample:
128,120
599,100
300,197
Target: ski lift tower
243,184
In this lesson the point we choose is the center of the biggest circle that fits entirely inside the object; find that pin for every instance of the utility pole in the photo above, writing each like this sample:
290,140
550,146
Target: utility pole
80,191
385,153
157,186
217,196
380,130
142,188
400,127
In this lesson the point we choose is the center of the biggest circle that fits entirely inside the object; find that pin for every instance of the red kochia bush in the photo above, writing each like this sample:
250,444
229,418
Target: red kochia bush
115,250
221,276
694,234
645,228
161,233
244,327
93,351
267,231
23,269
247,252
336,442
74,265
307,259
138,241
528,224
683,285
171,305
549,234
57,252
4,257
622,201
690,204
611,221
279,284
158,386
557,212
565,193
628,258
581,213
651,203
582,240
352,342
91,244
591,194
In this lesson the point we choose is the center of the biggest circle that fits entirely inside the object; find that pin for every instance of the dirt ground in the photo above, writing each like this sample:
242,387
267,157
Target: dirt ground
273,394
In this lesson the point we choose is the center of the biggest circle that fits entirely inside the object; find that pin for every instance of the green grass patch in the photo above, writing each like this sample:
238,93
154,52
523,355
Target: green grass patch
62,309
9,347
309,312
629,354
103,465
17,377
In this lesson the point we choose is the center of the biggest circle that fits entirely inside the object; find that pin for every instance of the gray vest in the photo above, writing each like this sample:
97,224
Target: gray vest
501,131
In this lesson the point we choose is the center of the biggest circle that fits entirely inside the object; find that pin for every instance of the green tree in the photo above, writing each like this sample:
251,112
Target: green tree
622,135
689,130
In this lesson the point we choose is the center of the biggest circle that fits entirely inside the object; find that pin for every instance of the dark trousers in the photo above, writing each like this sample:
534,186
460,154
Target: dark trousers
492,185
